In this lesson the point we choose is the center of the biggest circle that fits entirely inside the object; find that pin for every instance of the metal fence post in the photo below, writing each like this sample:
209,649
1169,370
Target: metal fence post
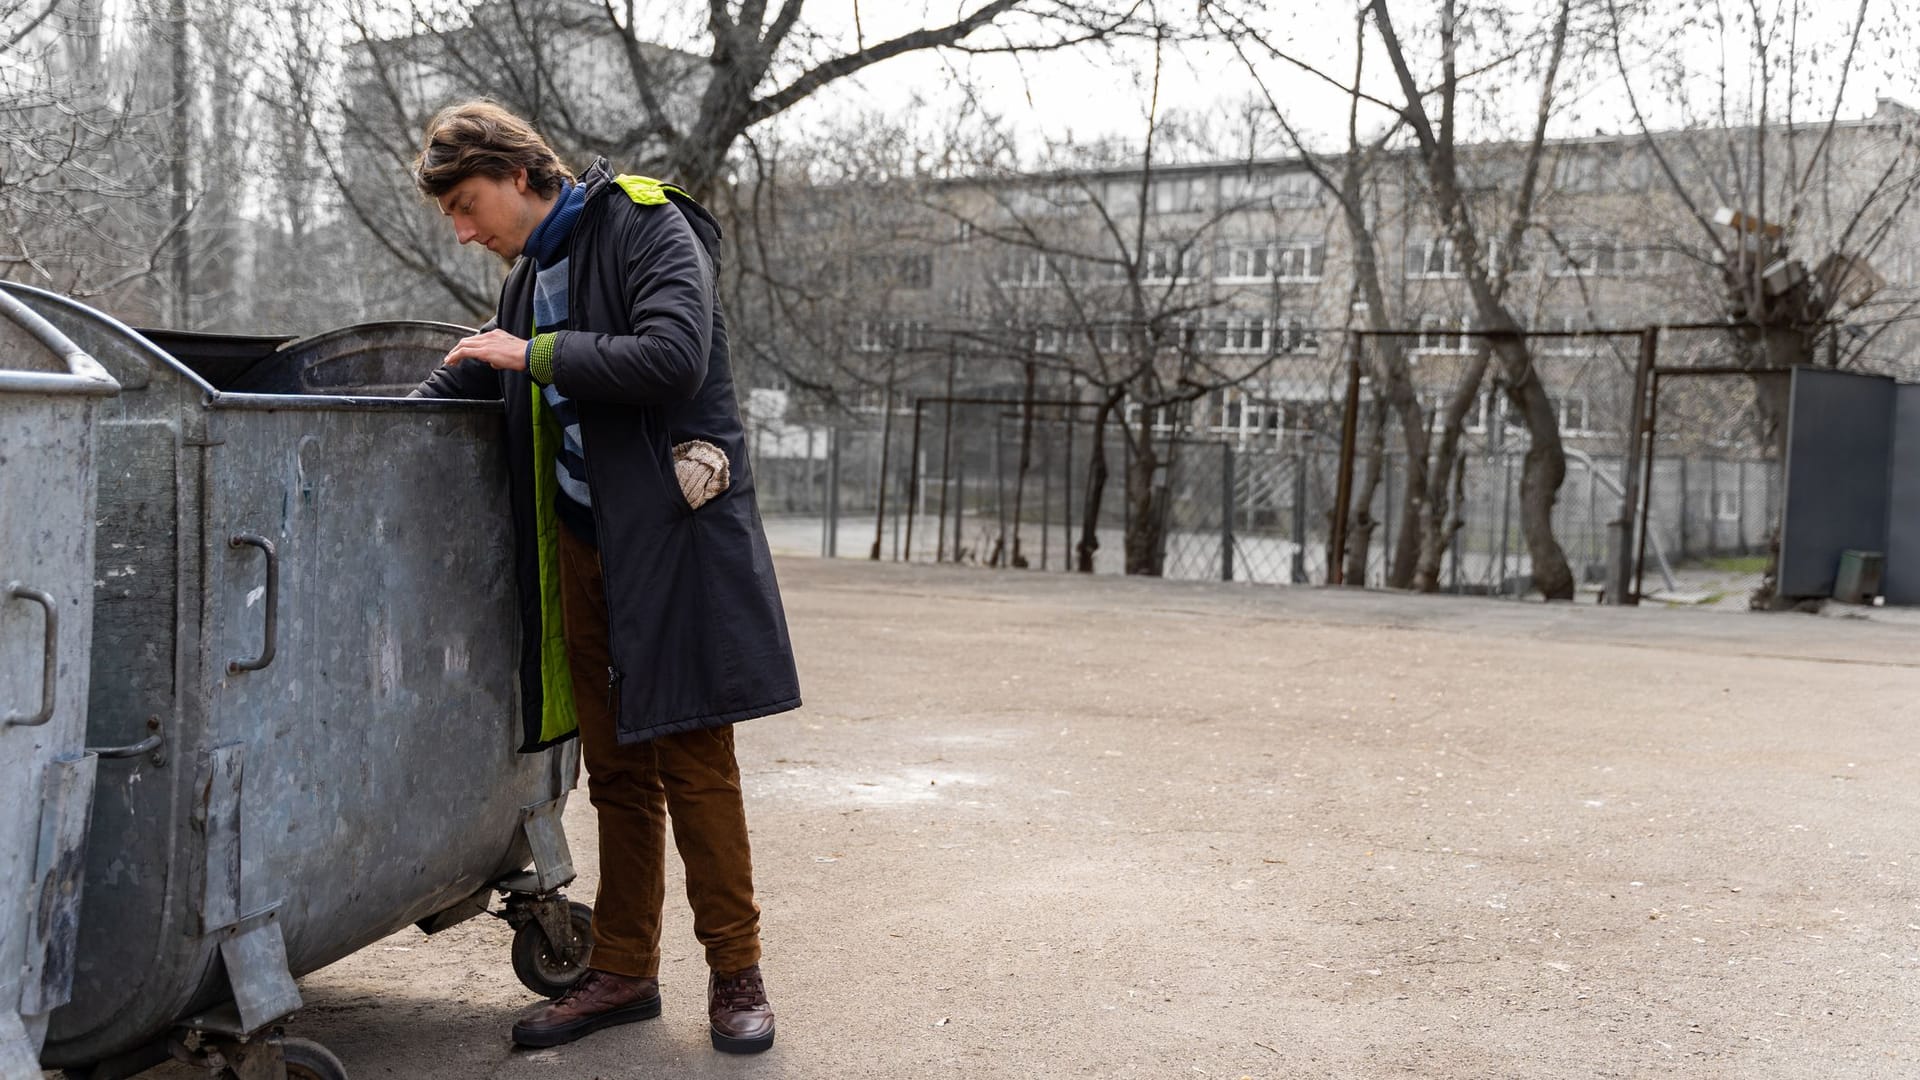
1299,568
959,503
914,468
881,479
1001,557
814,500
1646,486
1226,511
1713,508
1046,503
1066,541
1682,554
1741,508
1623,541
830,534
1386,515
1593,513
1506,513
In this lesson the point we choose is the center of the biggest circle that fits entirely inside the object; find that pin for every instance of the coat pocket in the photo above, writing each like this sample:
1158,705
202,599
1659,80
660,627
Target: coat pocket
701,471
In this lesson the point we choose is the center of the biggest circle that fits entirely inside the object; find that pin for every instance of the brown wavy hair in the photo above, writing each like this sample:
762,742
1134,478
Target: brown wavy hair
479,138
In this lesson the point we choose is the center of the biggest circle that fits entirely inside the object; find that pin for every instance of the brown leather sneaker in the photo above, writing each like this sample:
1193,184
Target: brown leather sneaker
737,1006
600,999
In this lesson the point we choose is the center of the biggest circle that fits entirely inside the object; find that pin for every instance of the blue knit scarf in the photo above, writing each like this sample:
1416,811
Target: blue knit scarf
550,237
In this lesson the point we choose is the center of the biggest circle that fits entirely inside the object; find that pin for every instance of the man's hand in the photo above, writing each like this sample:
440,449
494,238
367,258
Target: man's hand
495,348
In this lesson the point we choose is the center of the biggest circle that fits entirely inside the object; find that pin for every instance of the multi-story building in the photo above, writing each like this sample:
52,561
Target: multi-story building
1246,270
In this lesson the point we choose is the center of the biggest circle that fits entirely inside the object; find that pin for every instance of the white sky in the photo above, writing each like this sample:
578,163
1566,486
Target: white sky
1105,92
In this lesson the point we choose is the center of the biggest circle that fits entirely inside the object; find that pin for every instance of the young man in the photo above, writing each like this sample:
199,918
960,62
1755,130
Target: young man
650,626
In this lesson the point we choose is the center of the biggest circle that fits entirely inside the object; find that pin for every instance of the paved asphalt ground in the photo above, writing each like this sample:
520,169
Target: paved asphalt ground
1051,826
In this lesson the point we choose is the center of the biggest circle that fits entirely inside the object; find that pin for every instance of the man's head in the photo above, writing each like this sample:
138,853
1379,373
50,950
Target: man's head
491,173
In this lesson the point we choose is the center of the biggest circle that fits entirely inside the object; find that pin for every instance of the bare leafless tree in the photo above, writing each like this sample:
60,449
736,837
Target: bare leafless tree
1124,310
1787,203
1485,226
1488,254
607,78
81,150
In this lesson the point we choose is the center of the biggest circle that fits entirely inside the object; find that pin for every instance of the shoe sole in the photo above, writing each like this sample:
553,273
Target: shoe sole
560,1035
727,1044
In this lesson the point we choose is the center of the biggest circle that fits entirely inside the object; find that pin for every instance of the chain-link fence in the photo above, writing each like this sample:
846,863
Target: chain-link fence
1713,473
1244,484
1002,483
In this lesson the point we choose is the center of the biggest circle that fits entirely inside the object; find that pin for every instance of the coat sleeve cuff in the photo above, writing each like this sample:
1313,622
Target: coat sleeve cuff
540,358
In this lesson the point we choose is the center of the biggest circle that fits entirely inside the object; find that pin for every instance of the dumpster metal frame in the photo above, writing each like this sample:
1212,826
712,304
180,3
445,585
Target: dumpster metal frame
274,631
46,563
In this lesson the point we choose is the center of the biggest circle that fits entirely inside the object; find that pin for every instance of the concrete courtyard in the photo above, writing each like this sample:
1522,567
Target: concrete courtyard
1055,826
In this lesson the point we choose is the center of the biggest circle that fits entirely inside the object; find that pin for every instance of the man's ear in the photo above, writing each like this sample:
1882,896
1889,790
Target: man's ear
520,181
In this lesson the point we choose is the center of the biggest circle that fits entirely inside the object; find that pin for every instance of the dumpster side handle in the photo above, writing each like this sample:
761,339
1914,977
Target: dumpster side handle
156,737
50,663
235,667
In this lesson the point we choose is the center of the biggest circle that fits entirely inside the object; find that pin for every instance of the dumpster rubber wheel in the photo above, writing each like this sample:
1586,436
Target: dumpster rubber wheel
534,959
308,1060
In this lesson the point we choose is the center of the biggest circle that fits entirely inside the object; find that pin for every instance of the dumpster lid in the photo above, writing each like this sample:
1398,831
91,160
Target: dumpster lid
379,359
218,358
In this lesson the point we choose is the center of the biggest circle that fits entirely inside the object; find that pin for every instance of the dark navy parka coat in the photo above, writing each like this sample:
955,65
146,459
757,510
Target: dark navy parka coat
696,630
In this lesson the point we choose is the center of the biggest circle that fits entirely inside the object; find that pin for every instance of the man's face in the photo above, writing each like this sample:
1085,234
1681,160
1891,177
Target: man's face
499,213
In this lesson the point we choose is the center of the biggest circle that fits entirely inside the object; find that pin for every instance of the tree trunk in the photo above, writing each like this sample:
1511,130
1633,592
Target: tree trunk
1544,469
1144,519
178,172
1362,524
1441,518
1096,486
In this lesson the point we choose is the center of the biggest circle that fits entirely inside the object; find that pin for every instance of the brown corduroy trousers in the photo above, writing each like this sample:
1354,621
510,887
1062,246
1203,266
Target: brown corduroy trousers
691,779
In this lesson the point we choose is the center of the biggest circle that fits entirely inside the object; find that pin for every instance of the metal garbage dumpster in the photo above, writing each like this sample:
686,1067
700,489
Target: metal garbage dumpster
49,394
305,632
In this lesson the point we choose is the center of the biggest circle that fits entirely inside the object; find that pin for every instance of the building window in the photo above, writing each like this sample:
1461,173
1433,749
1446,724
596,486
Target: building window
898,271
1090,271
1247,262
1181,194
1297,189
1112,337
1439,334
1168,262
1244,335
1025,270
1190,335
1162,417
1726,505
1240,189
1300,261
1293,260
1436,258
888,335
1601,255
1574,419
1288,189
1564,346
1579,171
1299,337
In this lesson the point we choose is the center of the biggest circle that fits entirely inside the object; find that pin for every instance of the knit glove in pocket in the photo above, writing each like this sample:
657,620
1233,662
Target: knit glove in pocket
702,470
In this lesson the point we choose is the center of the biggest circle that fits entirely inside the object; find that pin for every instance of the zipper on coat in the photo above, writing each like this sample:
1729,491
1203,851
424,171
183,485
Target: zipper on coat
582,232
613,691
